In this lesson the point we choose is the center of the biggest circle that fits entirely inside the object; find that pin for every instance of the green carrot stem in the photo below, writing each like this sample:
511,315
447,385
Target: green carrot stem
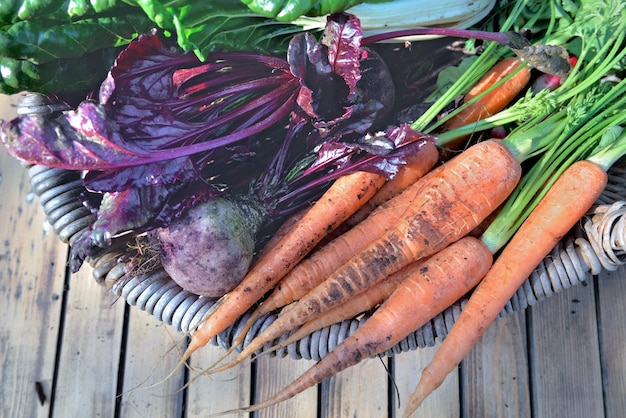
606,156
443,139
492,54
565,151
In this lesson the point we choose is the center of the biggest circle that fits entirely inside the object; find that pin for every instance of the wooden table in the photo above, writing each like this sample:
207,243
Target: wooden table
68,348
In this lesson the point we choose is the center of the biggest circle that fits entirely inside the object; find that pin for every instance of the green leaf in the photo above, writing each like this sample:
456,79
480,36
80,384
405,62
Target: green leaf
13,11
204,27
57,76
44,40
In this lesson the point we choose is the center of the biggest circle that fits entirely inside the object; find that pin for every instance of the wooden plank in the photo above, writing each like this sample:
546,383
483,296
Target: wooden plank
149,360
90,350
495,373
565,358
32,271
225,391
443,402
359,391
274,373
612,313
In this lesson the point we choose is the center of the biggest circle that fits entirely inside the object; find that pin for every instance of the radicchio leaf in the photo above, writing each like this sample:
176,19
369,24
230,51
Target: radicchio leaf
161,98
383,151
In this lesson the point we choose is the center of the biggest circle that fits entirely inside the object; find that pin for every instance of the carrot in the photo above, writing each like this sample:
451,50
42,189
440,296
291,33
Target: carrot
569,198
324,261
362,302
416,166
430,287
342,199
280,233
479,107
451,202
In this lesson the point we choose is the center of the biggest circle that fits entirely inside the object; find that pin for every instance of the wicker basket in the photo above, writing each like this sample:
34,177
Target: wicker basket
597,243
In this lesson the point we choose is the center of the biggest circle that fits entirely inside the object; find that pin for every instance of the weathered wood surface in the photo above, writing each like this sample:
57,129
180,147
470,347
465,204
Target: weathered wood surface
68,348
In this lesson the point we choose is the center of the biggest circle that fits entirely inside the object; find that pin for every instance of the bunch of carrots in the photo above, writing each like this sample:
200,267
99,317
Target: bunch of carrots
413,249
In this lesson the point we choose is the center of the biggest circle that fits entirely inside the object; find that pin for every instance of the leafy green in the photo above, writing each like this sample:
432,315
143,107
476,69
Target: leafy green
289,10
57,76
207,26
43,40
12,11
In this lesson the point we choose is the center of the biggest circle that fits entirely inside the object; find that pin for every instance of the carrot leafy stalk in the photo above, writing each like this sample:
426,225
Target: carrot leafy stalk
598,46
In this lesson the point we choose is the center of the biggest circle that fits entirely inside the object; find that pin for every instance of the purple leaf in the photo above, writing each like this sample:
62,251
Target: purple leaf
75,140
342,36
323,93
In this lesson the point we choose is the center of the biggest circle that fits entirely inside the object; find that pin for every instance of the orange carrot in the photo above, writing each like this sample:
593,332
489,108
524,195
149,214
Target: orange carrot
416,166
342,199
569,198
452,201
280,233
325,260
362,302
433,285
493,101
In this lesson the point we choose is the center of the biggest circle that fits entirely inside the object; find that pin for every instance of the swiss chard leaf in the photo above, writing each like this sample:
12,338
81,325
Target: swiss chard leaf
44,40
208,26
289,10
70,78
40,39
12,11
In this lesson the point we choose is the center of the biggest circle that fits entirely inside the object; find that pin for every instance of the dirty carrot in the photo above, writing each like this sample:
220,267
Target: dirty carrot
325,260
486,98
341,200
432,285
356,305
362,302
566,202
452,201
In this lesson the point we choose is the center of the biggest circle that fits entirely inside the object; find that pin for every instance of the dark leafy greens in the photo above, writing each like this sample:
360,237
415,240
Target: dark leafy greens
55,56
169,130
43,40
12,11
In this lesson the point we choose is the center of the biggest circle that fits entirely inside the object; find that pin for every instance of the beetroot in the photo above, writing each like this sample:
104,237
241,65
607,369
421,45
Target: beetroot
208,250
